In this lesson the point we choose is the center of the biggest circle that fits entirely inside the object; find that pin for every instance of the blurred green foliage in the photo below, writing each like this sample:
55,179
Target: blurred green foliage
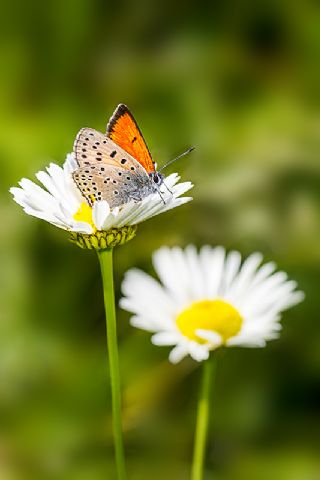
240,81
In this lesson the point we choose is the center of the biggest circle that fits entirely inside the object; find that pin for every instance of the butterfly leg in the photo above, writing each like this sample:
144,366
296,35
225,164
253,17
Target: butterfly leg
164,202
167,188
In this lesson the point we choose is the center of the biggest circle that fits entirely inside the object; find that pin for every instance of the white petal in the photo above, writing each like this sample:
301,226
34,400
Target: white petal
213,264
170,266
36,195
212,337
129,213
165,338
245,276
57,204
70,164
146,298
198,352
100,213
295,298
264,272
195,273
231,268
82,227
245,341
143,323
136,284
178,353
267,294
46,180
169,206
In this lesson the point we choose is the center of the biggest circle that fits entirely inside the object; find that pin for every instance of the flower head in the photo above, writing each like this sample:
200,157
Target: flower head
207,300
61,203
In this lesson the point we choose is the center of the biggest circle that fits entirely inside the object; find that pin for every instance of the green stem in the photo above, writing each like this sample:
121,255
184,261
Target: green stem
105,258
202,420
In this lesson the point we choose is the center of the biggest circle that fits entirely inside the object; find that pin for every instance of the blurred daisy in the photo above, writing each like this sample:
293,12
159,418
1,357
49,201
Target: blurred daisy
61,203
207,300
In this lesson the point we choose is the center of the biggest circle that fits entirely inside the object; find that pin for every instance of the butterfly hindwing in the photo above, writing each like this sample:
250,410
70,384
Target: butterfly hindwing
124,131
114,184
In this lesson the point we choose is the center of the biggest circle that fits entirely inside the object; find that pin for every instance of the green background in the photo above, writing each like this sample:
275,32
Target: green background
240,81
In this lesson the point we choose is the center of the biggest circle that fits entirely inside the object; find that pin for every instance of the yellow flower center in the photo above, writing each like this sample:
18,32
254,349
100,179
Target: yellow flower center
100,239
214,315
84,214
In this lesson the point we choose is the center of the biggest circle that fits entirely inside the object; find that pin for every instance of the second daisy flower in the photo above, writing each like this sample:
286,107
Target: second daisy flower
208,299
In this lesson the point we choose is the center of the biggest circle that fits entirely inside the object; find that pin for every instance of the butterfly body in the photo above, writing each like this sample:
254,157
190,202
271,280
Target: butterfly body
116,166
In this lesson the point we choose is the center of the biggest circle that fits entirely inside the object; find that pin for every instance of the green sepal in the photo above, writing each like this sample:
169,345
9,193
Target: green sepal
100,240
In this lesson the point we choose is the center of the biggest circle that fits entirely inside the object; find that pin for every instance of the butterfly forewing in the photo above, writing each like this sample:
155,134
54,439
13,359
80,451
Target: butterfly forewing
91,147
124,131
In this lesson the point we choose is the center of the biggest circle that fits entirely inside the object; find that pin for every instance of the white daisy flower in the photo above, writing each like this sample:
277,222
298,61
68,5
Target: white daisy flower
61,203
207,300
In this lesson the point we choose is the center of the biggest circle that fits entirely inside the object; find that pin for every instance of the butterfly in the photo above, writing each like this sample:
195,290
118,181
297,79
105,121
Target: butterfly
116,166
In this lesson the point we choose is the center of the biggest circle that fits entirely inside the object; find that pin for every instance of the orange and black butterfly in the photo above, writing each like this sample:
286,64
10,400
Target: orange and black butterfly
116,166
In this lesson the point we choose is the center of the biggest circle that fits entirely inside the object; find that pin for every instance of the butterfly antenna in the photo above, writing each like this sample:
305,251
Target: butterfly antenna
177,158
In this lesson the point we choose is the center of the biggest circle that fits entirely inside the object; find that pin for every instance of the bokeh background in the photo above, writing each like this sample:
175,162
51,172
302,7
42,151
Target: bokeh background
240,81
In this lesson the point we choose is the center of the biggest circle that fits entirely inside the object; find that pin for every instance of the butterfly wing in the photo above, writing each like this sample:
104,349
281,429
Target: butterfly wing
106,171
93,147
114,184
124,131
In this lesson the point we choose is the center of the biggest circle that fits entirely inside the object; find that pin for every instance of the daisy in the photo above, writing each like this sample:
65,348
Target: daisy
59,201
208,299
